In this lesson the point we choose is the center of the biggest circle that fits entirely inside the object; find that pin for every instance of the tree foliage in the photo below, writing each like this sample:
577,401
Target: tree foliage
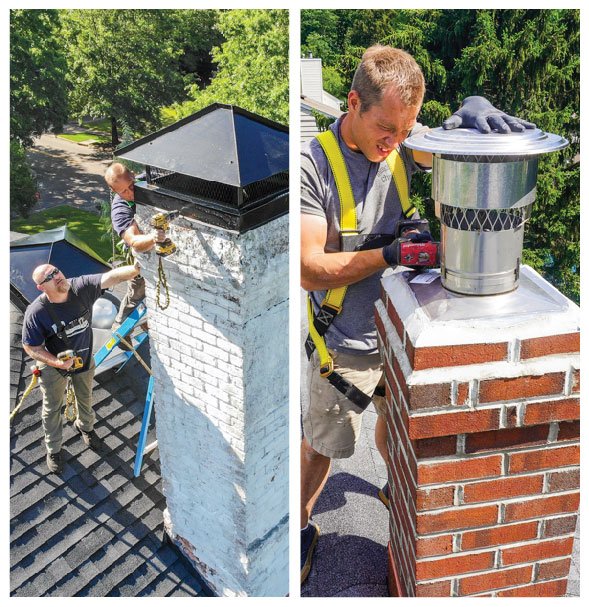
23,185
526,62
128,64
37,65
251,65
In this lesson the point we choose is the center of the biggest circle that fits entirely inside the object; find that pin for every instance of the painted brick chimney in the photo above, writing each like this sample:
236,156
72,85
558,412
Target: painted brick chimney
483,423
219,351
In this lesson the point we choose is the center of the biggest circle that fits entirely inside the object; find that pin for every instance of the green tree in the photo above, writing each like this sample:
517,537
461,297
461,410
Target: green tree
252,65
23,185
526,62
195,33
123,64
38,101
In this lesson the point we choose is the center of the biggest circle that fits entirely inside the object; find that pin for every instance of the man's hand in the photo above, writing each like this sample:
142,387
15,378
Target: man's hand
158,235
65,365
404,251
321,270
477,112
140,242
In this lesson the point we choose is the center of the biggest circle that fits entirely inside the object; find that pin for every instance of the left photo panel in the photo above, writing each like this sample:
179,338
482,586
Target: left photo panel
149,282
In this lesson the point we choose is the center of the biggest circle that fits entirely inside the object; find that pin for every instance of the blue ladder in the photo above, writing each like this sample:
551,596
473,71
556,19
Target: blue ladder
126,327
141,448
123,331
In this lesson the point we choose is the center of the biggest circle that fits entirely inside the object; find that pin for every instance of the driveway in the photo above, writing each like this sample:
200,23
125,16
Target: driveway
69,173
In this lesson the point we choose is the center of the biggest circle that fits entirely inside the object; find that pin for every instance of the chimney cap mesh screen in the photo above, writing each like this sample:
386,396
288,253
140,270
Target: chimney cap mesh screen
195,187
484,220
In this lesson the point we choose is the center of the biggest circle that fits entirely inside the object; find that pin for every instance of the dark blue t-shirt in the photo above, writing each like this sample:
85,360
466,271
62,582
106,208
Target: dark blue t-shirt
75,314
122,212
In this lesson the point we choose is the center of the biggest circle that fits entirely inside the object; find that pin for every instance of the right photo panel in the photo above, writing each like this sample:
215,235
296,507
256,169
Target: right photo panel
440,293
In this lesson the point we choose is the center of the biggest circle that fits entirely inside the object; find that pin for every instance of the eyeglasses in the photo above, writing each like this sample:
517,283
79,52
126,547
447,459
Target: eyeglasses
50,276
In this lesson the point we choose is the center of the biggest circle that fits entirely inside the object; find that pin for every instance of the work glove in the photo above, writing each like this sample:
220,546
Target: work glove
393,253
477,112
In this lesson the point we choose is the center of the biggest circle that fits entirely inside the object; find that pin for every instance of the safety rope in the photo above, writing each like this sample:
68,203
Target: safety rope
113,239
71,404
161,282
29,389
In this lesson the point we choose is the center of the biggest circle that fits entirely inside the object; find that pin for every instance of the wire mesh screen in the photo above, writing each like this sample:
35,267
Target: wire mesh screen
484,220
265,187
191,186
213,190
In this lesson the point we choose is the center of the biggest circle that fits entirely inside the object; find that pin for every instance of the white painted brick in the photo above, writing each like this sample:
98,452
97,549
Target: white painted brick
220,423
204,337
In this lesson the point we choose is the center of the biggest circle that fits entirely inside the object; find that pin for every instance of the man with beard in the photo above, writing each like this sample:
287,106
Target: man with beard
60,319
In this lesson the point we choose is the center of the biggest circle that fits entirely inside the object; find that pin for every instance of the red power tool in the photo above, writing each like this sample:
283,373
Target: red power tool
415,247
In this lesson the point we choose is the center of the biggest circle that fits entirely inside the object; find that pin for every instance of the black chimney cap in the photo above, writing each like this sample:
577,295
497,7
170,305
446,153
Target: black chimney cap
221,143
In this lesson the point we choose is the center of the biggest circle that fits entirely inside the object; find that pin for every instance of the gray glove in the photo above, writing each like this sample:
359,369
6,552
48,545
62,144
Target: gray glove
477,112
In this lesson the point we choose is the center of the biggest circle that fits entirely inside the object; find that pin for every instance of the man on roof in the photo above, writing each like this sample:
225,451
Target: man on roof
361,159
58,320
122,212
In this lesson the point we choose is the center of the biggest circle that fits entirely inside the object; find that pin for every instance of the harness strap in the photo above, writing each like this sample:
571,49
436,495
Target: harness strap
59,324
397,166
332,304
348,219
359,398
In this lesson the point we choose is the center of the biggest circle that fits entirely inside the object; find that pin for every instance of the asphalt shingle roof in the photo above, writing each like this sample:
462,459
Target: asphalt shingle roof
96,530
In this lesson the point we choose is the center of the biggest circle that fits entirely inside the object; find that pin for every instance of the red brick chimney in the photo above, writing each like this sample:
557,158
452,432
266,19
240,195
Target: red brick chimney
483,422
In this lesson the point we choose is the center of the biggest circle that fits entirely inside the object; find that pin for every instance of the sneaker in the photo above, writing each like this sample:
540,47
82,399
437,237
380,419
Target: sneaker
55,462
383,495
309,537
90,438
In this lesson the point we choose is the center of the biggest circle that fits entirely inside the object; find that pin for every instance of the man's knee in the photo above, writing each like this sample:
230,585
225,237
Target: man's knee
310,455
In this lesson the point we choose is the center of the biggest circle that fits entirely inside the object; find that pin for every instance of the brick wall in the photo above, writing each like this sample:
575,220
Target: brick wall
220,360
483,423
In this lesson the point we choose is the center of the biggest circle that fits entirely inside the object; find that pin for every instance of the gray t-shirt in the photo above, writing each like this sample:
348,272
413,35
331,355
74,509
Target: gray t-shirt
378,210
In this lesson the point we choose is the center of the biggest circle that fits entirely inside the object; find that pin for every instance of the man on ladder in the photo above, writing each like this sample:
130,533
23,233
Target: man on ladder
122,182
57,333
355,180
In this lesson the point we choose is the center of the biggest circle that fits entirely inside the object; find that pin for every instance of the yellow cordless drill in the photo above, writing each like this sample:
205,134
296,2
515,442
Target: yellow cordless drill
161,221
67,354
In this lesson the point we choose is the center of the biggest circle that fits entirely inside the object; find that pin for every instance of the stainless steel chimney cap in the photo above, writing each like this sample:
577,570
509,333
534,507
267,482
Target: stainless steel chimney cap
471,142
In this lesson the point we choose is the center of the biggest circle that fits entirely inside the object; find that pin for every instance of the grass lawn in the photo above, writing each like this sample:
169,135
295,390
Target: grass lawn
86,226
98,125
79,137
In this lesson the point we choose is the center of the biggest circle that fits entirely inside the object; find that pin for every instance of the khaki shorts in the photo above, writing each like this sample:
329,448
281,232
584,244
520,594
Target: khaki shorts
332,422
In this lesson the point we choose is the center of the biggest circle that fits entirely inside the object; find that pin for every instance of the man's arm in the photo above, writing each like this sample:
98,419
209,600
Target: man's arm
423,159
140,242
321,270
114,277
42,355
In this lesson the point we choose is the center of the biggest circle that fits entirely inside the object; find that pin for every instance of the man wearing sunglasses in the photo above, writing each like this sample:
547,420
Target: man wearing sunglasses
60,319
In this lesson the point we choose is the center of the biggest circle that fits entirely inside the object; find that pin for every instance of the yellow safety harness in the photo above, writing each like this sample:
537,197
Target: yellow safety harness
332,304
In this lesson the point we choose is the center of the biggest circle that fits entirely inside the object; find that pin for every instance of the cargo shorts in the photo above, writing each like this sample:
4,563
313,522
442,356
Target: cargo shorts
332,423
